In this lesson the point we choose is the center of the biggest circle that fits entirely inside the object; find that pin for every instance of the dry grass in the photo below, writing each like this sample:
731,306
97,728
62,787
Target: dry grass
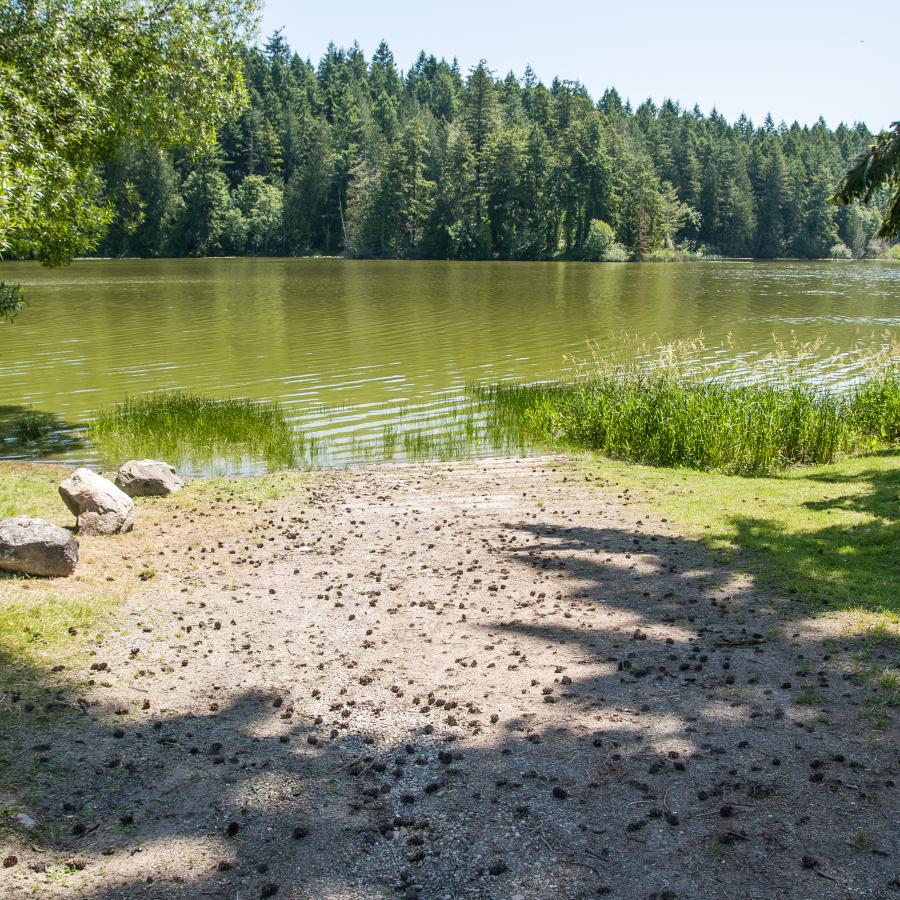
45,623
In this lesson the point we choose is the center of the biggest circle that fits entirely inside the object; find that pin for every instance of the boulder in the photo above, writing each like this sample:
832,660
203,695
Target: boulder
35,547
148,478
100,506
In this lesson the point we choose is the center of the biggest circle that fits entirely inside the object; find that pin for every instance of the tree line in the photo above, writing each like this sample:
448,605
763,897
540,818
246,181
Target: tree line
354,156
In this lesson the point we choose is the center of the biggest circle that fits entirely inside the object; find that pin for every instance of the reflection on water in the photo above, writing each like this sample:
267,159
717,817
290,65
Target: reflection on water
27,433
372,358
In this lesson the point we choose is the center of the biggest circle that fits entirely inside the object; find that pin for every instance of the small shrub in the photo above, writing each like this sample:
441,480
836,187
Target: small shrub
616,252
840,251
601,237
876,249
660,254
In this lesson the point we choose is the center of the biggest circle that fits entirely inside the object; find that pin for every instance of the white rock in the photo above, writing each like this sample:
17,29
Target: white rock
100,506
25,820
35,547
148,478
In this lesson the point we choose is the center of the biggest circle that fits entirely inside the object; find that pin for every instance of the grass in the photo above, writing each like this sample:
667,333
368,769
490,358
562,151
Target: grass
677,410
31,490
809,697
44,630
861,840
665,422
874,409
44,623
182,427
826,536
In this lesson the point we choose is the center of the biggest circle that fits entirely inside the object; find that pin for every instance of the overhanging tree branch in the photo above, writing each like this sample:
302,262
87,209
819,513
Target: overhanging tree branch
879,168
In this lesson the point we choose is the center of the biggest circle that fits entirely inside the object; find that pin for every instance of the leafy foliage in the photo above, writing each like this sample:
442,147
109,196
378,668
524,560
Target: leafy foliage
11,300
80,79
878,169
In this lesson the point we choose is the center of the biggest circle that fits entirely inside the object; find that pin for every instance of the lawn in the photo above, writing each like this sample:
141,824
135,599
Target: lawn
826,536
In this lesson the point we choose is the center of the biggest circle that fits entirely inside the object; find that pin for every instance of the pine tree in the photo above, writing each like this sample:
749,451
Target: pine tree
350,156
480,117
409,192
208,223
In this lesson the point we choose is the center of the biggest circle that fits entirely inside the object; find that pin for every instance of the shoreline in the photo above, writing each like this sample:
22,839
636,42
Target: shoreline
395,259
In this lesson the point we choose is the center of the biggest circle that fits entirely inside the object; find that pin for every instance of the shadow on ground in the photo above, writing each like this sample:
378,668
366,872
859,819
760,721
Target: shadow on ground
837,566
692,749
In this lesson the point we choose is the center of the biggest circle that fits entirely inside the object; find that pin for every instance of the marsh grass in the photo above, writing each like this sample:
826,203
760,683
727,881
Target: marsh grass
675,404
681,408
33,434
180,426
874,408
665,422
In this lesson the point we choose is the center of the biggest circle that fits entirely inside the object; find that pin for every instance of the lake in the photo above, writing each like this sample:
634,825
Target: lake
351,348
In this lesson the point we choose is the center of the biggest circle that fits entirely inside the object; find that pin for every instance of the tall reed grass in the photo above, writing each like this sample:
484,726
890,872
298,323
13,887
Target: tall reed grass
182,426
678,409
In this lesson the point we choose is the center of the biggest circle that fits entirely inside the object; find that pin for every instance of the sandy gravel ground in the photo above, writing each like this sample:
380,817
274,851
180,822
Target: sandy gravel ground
484,679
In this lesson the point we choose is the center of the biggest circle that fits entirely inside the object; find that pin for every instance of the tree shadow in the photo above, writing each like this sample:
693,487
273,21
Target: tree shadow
666,754
30,434
837,566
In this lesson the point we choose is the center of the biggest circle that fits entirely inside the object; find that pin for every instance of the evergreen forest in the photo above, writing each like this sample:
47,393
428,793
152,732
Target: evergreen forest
354,156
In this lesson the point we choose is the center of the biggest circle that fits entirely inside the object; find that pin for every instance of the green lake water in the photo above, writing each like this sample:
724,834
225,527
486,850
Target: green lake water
354,350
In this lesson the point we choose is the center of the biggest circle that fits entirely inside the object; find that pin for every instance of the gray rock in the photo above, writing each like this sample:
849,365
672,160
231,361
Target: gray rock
25,821
100,506
35,547
148,478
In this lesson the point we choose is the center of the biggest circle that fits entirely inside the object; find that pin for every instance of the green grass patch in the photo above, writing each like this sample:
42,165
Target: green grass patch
44,630
199,430
663,420
32,490
40,627
825,535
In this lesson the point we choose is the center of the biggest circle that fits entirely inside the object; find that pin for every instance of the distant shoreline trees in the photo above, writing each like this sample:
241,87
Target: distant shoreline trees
353,156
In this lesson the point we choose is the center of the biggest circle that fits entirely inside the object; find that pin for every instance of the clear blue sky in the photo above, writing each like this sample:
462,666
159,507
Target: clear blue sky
797,59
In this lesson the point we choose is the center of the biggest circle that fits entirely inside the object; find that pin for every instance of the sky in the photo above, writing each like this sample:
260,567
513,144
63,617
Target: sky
795,59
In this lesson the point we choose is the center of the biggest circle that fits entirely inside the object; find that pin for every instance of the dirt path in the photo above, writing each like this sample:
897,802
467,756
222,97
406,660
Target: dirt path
486,679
